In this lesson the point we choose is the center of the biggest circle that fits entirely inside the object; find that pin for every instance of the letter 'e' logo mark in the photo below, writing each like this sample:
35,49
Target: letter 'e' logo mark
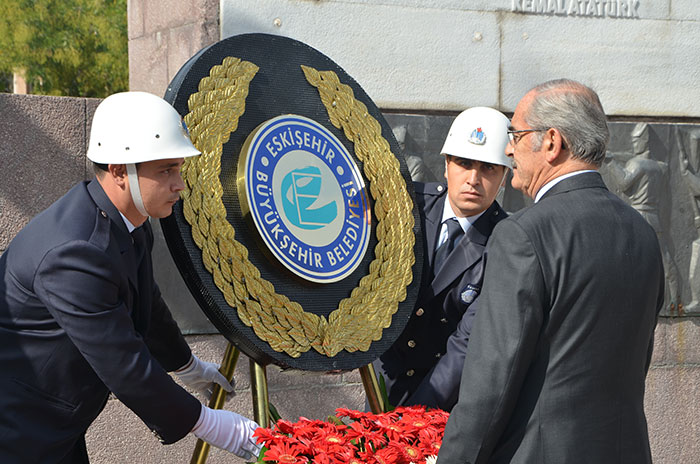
306,197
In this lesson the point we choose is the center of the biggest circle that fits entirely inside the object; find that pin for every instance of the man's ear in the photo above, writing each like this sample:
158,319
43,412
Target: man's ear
553,145
446,160
118,174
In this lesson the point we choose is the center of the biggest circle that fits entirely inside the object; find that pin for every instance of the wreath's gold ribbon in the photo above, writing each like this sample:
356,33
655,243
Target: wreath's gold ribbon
282,323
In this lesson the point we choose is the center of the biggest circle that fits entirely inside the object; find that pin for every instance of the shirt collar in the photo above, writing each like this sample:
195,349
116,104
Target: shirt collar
546,187
130,227
465,222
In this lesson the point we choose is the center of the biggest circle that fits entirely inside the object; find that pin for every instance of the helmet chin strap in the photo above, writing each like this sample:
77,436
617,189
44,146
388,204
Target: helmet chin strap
502,186
134,188
503,179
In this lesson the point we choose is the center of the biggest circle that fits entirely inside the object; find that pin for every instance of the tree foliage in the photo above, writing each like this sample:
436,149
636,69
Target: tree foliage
66,47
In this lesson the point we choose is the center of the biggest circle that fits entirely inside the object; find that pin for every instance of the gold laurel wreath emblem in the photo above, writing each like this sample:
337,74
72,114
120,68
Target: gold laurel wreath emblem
359,319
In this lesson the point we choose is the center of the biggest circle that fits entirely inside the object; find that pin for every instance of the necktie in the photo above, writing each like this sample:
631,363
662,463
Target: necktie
454,233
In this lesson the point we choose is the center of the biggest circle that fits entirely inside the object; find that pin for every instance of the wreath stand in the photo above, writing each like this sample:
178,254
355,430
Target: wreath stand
261,404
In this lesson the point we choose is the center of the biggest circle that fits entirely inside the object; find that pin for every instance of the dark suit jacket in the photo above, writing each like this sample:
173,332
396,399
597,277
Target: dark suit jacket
563,338
81,316
442,302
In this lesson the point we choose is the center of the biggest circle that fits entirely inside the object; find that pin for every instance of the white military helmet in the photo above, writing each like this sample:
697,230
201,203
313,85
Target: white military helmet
135,127
480,134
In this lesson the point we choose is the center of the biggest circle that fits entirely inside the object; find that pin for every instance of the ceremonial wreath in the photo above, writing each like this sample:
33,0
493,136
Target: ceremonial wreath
405,435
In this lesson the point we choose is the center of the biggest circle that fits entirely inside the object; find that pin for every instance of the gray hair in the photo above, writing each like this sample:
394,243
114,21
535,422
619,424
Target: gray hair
575,111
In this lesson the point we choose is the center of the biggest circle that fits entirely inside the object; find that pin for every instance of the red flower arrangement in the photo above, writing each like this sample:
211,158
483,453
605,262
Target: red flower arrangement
402,436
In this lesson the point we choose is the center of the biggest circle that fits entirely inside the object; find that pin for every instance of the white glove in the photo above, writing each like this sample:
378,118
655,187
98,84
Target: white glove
229,431
199,375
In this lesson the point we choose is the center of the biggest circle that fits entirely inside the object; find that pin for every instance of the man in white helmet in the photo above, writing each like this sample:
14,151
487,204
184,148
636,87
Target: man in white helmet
80,313
422,367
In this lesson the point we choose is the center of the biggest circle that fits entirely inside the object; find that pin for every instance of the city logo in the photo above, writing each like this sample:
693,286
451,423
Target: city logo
306,197
478,137
300,198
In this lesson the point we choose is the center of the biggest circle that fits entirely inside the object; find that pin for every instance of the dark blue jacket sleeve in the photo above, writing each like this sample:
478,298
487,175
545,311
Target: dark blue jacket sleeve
99,324
440,388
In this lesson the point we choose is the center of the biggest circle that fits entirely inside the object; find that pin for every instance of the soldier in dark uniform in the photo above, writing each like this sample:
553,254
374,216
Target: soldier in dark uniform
80,313
422,366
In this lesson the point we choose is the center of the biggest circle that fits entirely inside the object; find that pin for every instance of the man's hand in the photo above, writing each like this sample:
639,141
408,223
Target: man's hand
199,375
229,431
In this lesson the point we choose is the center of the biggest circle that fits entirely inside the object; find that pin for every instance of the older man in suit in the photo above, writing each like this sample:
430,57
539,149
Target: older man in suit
457,220
562,342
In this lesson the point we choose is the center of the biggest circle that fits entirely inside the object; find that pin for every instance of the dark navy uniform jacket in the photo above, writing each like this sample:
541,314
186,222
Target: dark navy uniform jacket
80,316
419,368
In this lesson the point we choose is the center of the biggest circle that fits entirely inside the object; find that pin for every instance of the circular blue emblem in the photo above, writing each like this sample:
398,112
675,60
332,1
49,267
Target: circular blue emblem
306,197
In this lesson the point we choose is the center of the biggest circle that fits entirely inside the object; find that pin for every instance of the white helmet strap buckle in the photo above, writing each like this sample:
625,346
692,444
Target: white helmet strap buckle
135,189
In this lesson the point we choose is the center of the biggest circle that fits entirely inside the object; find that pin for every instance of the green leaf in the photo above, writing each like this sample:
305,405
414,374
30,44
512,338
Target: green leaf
385,398
334,420
274,414
261,456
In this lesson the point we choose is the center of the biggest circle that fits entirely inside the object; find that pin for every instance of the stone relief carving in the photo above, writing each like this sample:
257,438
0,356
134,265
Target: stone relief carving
416,166
642,179
689,168
655,167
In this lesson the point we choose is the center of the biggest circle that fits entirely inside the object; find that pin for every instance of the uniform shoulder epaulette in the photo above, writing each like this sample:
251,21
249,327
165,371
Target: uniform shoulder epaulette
430,188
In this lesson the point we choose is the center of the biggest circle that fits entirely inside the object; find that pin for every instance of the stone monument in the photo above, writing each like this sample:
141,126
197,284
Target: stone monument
642,178
691,178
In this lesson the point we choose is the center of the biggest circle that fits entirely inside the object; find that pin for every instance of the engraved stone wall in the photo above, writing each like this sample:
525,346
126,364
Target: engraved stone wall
640,55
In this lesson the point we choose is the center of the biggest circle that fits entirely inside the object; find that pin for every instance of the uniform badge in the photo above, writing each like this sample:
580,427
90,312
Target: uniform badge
478,137
469,294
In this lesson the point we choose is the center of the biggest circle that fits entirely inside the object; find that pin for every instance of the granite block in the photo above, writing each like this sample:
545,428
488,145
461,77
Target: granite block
184,41
159,15
148,67
672,403
317,402
119,436
683,341
43,150
134,11
660,354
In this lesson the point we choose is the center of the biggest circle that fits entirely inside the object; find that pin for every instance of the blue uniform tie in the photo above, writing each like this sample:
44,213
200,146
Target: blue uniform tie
454,234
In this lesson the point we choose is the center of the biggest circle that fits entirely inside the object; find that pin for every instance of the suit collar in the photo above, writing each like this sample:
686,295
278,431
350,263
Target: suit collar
433,220
119,231
580,181
481,229
106,206
478,231
469,250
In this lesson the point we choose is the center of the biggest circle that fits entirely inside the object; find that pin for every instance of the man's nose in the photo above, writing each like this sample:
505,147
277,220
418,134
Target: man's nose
509,149
473,176
179,184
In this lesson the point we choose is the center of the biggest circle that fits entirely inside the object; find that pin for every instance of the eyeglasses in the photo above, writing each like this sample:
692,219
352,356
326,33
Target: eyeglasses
515,135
